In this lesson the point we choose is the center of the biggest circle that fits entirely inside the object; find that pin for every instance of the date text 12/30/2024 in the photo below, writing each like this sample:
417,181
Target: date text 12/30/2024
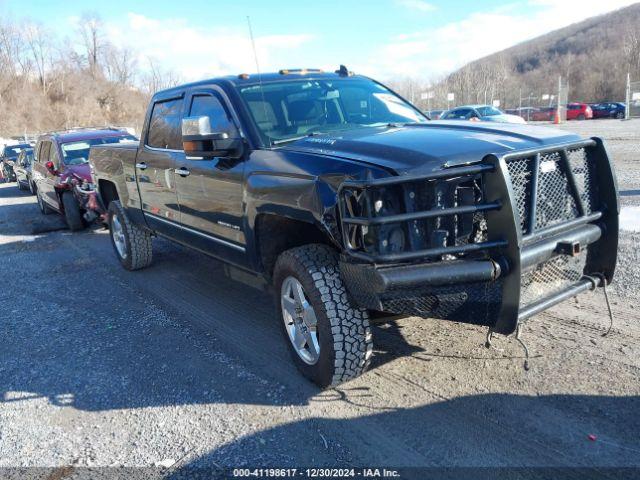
315,473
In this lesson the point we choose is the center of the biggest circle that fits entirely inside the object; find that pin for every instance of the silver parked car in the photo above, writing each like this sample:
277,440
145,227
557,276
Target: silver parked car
483,113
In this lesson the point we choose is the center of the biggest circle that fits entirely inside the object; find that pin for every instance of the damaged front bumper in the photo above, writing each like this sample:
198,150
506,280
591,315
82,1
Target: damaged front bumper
550,220
90,202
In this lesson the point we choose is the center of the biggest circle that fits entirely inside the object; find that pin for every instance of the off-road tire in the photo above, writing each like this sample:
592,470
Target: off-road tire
344,332
72,213
138,241
44,208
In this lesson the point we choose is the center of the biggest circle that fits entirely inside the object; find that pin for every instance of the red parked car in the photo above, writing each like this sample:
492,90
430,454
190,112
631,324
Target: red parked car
544,114
61,172
579,111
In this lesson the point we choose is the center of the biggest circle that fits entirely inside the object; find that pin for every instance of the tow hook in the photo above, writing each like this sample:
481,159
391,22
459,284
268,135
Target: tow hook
572,249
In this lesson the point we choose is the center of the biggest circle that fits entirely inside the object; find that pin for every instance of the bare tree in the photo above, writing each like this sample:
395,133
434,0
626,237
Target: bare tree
158,78
90,29
120,64
631,48
38,43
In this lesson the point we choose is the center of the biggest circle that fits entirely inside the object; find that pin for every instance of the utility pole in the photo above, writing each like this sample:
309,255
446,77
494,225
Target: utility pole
559,97
520,99
627,109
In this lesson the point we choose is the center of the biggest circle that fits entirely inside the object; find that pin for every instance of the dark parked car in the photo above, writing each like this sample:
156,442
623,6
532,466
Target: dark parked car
608,110
344,200
22,169
8,158
435,114
61,173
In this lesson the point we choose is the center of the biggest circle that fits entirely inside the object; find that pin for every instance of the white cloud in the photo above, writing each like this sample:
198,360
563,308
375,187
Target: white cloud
420,5
441,50
195,53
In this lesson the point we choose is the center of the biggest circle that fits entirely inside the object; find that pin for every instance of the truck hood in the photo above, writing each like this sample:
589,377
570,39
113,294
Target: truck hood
422,148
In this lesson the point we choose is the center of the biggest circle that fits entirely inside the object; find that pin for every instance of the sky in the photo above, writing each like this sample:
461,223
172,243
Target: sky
380,38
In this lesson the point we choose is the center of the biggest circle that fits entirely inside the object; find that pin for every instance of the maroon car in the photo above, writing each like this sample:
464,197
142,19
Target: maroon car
62,176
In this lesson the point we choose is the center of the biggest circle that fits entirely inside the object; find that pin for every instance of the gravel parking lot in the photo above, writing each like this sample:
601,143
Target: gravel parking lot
177,366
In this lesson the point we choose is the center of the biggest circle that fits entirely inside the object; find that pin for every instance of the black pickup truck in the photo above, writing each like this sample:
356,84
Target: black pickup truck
346,200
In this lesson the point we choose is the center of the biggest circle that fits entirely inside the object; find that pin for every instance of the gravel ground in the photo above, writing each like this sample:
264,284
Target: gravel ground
177,366
623,142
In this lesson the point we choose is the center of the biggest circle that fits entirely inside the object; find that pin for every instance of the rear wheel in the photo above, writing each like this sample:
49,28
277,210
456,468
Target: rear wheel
44,208
329,339
581,117
132,244
72,213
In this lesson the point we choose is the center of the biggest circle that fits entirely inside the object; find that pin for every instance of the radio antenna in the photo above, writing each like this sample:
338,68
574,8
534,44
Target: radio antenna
255,56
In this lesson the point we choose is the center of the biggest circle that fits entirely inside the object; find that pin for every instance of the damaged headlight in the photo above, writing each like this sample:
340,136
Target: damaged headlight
403,217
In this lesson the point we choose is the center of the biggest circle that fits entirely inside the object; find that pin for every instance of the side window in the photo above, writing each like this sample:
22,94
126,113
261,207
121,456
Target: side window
460,113
43,157
210,106
53,155
165,125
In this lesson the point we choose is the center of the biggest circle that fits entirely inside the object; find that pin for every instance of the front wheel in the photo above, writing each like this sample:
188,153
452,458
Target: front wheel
131,243
329,339
72,213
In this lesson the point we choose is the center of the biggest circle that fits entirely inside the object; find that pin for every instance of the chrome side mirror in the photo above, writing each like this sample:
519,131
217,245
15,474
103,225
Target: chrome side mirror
199,141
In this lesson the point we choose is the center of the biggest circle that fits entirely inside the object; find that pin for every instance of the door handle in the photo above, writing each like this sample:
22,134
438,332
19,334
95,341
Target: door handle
141,166
183,172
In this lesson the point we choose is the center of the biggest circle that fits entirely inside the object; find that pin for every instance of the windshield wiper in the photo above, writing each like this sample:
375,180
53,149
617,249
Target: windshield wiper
287,140
293,139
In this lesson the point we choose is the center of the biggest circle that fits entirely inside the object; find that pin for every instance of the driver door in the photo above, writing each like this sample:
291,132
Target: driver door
210,191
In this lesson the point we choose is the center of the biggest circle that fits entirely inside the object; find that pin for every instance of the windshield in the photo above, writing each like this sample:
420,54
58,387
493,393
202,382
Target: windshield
289,110
77,153
488,111
13,151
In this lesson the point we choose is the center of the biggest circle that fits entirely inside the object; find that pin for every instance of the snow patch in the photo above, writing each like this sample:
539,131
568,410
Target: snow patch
630,219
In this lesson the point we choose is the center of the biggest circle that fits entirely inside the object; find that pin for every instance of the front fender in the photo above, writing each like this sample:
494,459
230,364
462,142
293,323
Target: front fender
304,198
302,186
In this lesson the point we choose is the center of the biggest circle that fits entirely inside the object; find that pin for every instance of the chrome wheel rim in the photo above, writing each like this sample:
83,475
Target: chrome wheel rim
300,320
117,234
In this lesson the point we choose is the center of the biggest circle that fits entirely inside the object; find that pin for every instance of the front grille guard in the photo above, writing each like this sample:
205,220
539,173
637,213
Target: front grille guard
506,239
364,187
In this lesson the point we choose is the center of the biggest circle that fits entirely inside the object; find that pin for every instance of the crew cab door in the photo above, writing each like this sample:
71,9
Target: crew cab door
44,179
210,191
156,163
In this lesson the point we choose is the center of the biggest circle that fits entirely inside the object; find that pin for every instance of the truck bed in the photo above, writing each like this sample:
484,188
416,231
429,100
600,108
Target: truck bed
108,160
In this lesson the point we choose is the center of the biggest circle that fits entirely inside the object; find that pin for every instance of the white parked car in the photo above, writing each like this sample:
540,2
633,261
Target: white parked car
482,113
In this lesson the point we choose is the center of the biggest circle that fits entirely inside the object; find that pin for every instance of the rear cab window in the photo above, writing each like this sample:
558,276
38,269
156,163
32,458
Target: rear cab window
165,125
